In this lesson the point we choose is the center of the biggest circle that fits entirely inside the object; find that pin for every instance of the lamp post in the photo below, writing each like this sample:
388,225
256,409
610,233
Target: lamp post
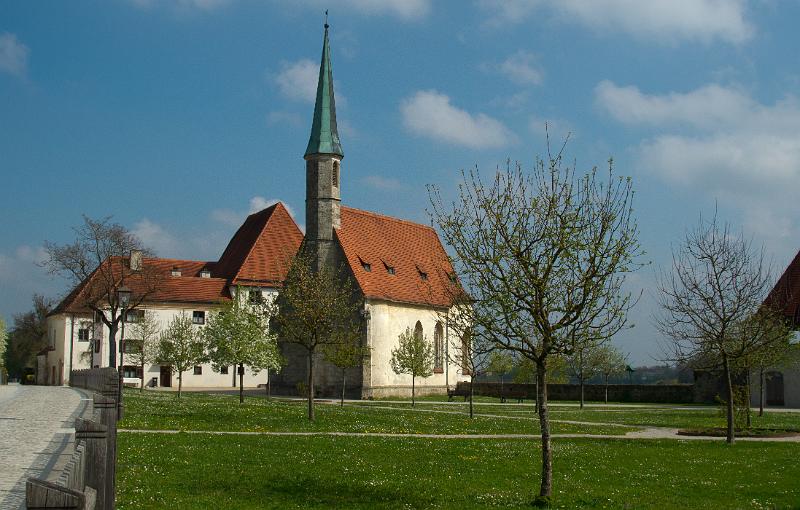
124,299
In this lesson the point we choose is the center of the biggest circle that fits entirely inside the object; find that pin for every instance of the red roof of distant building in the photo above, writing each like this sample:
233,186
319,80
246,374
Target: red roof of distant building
411,251
262,248
785,295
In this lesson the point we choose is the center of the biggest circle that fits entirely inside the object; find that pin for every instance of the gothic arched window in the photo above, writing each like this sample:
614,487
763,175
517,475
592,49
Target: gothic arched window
438,346
418,330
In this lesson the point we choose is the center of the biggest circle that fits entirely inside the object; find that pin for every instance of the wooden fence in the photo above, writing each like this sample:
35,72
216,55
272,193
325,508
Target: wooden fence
88,479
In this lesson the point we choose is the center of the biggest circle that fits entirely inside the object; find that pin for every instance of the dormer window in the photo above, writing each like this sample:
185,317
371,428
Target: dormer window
205,273
176,271
366,265
389,269
423,275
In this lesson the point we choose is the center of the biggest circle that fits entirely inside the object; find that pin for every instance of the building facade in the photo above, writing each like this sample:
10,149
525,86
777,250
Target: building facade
399,269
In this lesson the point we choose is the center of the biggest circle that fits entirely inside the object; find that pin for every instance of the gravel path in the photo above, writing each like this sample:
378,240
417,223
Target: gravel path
36,435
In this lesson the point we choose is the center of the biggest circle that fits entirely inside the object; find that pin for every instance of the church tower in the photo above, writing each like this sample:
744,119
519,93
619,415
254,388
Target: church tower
323,164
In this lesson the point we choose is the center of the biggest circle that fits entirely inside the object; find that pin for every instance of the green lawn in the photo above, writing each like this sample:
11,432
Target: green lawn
657,415
210,471
195,411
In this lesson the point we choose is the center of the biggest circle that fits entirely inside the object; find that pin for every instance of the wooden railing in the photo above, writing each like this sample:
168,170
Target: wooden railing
88,479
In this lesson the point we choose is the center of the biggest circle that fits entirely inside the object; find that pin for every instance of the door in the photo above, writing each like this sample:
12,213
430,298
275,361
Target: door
166,377
774,389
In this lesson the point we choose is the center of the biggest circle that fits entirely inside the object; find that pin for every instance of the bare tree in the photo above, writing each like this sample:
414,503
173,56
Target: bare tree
583,363
717,283
501,363
348,354
542,254
470,352
316,310
27,336
97,264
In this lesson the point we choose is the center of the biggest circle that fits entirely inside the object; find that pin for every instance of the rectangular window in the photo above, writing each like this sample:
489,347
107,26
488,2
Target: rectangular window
96,345
134,315
255,297
83,335
223,370
198,370
199,317
131,346
129,371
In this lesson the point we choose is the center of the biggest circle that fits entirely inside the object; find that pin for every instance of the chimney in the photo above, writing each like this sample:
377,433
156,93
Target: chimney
136,260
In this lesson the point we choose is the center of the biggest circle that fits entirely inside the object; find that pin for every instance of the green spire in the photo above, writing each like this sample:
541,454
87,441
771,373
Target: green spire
324,137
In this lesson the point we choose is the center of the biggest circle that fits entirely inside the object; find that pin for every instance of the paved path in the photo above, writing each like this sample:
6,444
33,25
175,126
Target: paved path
36,435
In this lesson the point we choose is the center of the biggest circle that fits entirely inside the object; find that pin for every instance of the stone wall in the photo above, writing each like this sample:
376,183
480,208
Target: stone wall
650,393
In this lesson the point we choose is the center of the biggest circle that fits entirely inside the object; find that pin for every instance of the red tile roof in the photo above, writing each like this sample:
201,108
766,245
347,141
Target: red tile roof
785,295
262,248
187,288
422,269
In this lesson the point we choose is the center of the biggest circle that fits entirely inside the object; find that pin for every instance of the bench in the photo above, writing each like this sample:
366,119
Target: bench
461,390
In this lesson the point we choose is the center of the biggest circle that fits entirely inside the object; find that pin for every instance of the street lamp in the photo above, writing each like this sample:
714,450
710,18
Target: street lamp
124,299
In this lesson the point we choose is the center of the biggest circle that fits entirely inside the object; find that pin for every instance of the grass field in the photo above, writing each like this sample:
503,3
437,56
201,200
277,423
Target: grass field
195,411
181,470
207,471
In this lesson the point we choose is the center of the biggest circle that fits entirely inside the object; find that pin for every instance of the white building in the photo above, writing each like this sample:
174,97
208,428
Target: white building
399,269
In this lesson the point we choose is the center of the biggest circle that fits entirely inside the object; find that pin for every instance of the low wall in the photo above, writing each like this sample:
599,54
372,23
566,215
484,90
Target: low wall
653,393
88,480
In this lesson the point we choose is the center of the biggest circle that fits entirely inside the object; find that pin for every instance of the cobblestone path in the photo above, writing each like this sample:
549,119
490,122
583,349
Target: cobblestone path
36,435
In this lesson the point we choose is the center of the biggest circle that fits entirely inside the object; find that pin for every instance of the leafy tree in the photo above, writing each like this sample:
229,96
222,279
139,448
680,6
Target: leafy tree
27,337
316,310
501,363
348,354
542,255
145,342
98,261
413,356
610,362
181,346
238,334
716,285
583,364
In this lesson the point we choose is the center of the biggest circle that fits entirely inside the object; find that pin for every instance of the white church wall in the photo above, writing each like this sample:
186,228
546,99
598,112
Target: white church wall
387,321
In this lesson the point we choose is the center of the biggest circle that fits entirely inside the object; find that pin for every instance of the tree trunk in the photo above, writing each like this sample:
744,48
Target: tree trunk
344,382
471,393
748,398
581,390
546,487
112,343
267,385
761,392
536,400
413,379
141,386
241,383
729,383
311,385
606,389
180,383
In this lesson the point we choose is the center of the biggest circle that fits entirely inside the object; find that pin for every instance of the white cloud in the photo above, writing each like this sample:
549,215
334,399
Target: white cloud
738,150
284,119
429,113
521,68
298,80
13,55
21,275
158,239
383,183
662,20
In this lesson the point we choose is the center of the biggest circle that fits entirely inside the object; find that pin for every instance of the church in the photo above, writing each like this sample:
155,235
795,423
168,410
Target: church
399,269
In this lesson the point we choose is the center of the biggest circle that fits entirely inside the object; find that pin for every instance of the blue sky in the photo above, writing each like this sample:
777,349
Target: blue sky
178,117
